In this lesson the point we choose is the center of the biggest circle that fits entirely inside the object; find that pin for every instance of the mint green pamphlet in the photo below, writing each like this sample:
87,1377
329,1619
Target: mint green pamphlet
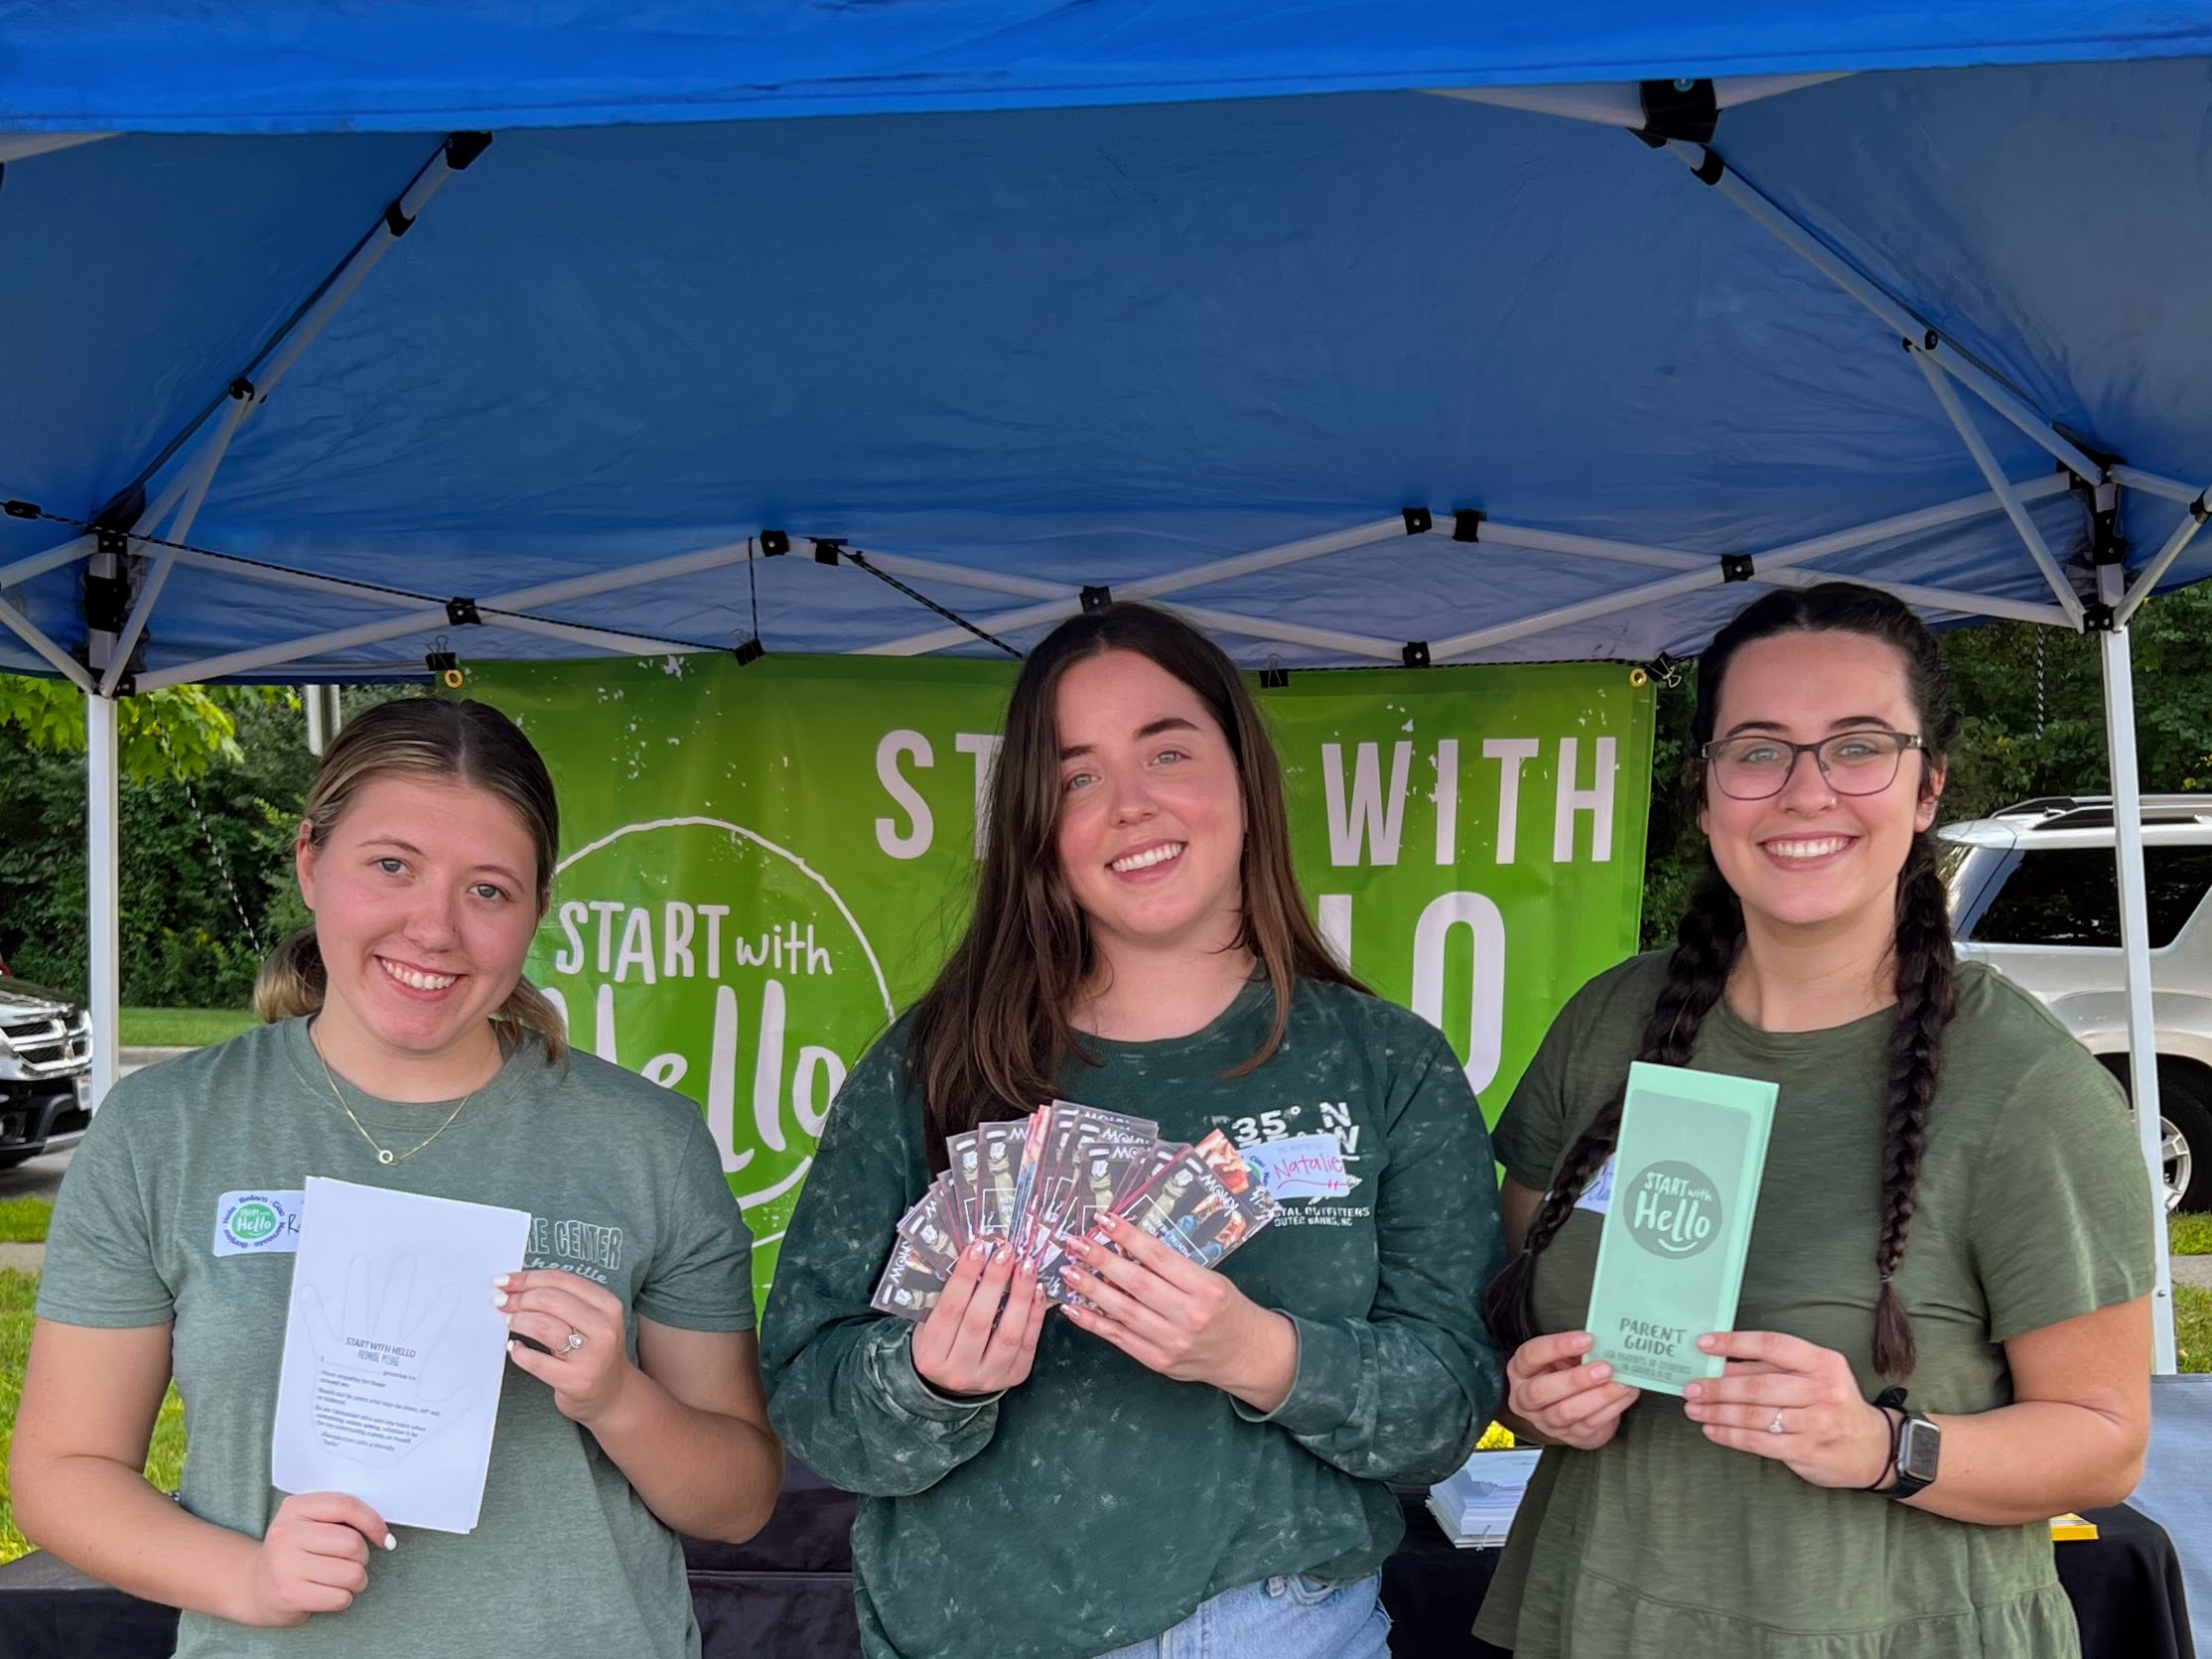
1670,1260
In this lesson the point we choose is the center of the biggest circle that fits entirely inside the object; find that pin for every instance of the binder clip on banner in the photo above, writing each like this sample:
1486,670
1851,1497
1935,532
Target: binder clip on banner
443,663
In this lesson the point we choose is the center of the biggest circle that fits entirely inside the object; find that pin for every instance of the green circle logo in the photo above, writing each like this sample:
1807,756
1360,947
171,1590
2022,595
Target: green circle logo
252,1222
1673,1208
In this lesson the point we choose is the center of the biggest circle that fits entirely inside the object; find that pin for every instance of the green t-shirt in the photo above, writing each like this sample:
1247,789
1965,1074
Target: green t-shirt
623,1185
2032,1208
1098,1503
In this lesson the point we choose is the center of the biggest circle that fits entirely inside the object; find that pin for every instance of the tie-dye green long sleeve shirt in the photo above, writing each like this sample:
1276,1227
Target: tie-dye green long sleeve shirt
1098,1503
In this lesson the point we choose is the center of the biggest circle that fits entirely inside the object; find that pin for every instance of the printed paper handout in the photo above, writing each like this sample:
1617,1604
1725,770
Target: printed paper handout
394,1354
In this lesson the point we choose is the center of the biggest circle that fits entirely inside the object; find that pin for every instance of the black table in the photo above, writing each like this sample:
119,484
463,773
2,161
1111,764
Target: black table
789,1594
2125,1585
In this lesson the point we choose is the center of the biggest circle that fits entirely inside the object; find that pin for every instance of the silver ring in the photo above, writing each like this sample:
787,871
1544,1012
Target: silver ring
576,1340
1775,1428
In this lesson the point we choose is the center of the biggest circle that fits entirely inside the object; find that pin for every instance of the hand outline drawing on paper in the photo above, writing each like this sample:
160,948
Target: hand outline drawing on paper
384,1357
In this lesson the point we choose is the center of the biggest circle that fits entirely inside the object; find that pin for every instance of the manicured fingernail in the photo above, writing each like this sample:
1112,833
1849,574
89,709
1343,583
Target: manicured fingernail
1708,1343
498,1278
1692,1391
1602,1371
390,1543
499,1300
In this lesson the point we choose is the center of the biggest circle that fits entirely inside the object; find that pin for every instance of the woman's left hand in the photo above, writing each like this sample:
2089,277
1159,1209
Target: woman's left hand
548,1305
1179,1318
1829,1434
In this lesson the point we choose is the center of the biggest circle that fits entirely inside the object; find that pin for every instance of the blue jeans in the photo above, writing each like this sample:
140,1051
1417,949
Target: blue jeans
1290,1617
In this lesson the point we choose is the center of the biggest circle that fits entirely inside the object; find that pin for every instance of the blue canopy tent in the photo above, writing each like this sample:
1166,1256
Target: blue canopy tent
1365,332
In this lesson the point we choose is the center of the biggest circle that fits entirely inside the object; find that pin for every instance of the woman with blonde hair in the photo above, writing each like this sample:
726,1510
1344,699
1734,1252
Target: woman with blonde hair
403,1050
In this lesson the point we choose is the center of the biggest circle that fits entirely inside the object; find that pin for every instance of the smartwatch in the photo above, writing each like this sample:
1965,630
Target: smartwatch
1917,1449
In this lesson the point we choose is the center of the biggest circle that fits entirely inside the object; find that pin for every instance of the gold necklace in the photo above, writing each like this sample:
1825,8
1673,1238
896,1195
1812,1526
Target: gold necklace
385,1155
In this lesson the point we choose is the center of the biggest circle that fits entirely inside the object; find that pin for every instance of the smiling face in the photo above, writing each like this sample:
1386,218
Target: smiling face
1150,828
425,898
1811,857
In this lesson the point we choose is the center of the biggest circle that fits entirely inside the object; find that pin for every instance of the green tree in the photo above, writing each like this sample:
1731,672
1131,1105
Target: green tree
2032,701
177,732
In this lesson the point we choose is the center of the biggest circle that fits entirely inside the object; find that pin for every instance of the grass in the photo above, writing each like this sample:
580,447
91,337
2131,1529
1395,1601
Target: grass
2192,1327
22,1221
2189,1235
165,1458
182,1028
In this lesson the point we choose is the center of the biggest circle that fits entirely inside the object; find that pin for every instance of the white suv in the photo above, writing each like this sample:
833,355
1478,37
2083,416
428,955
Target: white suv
2036,894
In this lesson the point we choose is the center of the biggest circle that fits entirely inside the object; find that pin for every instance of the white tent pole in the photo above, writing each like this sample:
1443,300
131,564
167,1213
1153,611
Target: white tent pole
2134,926
1890,309
618,645
1933,599
1295,633
201,475
38,564
21,146
961,576
1616,103
36,638
421,618
2157,484
2000,484
1153,587
103,886
2146,580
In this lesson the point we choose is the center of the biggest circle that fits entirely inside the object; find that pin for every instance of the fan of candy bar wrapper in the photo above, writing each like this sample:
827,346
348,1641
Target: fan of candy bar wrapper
1036,1183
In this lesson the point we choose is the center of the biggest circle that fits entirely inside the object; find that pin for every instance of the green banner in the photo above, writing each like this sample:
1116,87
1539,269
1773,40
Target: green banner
762,865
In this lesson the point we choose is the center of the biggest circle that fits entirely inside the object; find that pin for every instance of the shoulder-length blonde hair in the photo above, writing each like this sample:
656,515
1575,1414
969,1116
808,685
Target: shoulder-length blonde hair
988,1037
467,742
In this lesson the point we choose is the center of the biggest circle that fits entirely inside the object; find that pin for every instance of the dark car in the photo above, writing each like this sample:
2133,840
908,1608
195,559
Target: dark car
46,1070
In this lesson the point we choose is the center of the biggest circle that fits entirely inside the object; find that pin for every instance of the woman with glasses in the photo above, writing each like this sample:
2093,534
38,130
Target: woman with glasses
1944,1331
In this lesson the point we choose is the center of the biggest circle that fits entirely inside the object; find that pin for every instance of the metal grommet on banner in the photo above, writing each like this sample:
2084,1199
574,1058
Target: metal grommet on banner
1638,678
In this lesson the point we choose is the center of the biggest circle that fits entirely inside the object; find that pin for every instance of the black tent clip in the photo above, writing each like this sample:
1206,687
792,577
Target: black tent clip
443,664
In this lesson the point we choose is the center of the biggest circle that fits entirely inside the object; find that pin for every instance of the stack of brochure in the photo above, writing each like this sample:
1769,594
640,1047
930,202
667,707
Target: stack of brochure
1475,1507
1032,1185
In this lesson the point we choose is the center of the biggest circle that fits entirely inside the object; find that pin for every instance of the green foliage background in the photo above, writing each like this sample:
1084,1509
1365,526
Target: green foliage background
2033,703
241,753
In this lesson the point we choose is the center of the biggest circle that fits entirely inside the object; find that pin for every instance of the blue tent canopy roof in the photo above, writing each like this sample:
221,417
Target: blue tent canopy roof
303,65
1010,352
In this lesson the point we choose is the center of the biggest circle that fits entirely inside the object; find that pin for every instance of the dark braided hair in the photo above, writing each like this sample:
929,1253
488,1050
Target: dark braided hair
1710,934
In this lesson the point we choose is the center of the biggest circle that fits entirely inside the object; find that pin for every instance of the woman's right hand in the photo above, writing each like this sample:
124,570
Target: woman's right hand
1565,1402
982,1335
313,1559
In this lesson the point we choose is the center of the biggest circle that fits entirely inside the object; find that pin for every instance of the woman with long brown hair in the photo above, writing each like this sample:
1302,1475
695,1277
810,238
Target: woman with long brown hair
404,1050
1944,1332
1196,1458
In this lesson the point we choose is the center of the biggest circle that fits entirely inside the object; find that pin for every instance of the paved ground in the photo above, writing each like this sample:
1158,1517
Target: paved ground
42,1176
2193,1270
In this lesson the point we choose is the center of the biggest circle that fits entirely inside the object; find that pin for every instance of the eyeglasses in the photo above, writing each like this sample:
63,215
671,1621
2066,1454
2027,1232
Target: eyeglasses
1852,762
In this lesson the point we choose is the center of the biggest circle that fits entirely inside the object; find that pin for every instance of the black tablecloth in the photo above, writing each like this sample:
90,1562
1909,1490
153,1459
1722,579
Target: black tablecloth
789,1594
2126,1587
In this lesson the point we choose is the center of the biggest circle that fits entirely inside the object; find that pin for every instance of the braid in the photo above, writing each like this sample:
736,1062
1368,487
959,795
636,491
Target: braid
1705,943
1927,996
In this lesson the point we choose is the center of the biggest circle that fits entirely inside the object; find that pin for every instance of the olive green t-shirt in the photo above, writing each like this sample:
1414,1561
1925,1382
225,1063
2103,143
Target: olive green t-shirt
1098,1503
174,1209
2033,1208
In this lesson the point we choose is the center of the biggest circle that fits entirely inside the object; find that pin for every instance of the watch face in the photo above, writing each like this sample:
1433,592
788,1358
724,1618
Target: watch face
1917,1449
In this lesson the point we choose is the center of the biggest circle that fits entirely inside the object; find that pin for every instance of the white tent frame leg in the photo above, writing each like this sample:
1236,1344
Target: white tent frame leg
109,654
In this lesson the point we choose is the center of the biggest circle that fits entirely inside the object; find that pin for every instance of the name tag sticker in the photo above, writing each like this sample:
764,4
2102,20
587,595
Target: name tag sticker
1302,1167
257,1223
1598,1197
